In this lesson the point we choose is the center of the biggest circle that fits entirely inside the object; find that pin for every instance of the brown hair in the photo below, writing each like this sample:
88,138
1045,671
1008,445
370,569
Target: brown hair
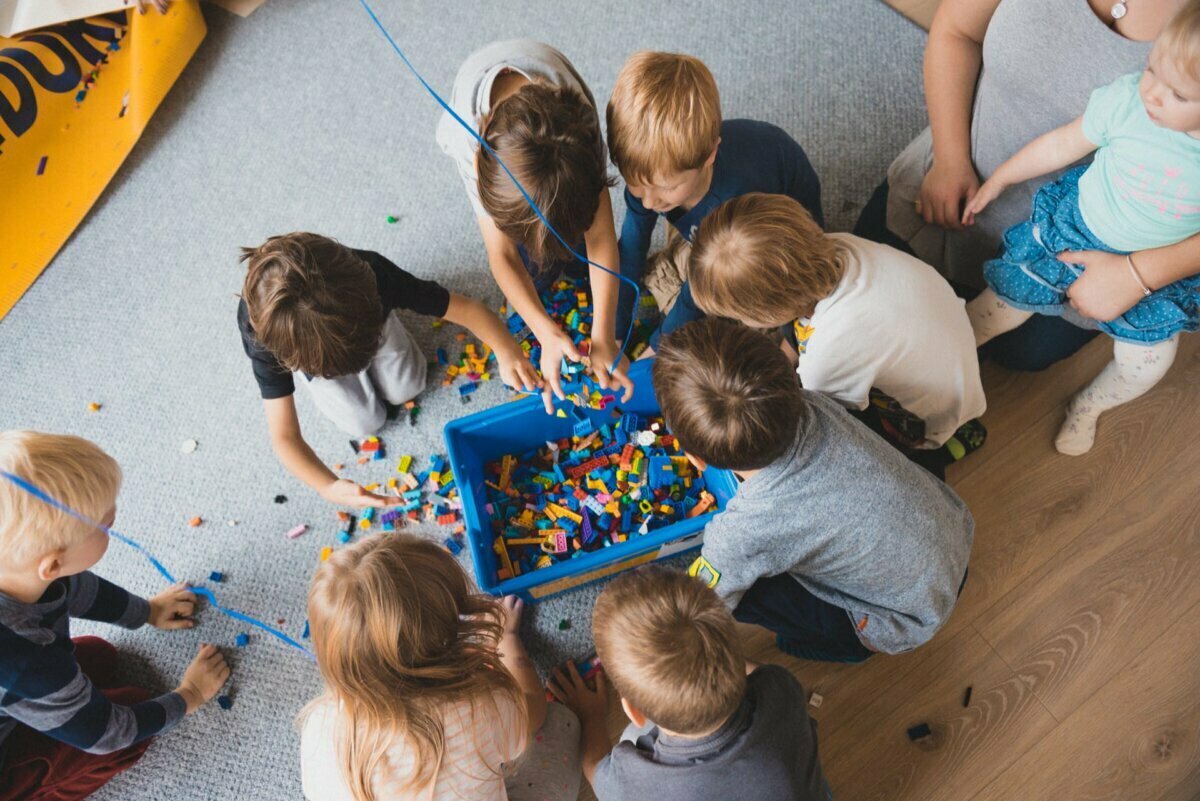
664,116
1180,40
73,470
313,304
549,136
400,637
762,259
728,394
670,647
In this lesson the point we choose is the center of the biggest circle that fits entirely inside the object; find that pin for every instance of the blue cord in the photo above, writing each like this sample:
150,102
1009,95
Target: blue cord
203,592
482,143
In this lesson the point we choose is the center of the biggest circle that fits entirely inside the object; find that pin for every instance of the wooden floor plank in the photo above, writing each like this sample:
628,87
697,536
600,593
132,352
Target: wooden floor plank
1016,400
1074,623
1137,739
871,758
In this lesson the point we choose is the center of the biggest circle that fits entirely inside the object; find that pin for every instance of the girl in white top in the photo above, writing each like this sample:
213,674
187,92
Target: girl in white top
866,316
429,693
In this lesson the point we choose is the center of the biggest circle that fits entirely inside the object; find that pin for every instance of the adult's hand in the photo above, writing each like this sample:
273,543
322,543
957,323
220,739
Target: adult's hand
1107,289
947,187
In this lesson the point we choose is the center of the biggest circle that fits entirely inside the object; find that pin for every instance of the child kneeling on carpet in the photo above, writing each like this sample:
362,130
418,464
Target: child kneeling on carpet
704,722
316,312
1139,196
429,693
67,725
874,328
834,541
528,102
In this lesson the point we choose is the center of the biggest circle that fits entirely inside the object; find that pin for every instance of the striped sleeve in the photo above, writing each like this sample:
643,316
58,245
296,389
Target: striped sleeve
92,598
52,695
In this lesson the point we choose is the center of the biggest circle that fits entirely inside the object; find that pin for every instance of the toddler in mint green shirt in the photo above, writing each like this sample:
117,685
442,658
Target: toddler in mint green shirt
1141,192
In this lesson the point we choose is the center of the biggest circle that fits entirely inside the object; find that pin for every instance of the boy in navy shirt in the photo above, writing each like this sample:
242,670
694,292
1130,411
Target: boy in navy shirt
680,161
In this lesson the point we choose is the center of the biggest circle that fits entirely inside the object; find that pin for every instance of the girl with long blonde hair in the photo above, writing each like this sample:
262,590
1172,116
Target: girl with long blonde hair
429,693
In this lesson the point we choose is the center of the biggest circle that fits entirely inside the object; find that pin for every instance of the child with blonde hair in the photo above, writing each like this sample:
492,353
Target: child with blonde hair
680,160
876,329
429,693
1140,193
67,725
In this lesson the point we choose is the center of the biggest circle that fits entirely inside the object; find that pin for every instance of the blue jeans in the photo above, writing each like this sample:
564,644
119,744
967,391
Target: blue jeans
806,626
1038,343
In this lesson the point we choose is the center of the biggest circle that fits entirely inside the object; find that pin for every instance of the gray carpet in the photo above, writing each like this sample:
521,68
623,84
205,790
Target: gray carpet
301,117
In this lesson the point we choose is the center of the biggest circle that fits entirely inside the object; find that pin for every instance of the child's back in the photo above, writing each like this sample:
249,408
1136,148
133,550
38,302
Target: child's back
700,726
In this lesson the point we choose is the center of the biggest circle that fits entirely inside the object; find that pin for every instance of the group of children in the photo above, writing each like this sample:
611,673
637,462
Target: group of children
842,540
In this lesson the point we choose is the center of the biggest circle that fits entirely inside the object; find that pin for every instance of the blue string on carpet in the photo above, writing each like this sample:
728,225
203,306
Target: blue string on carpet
483,143
203,592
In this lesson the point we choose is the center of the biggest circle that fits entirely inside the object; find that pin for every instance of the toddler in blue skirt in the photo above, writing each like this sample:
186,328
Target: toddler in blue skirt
1141,191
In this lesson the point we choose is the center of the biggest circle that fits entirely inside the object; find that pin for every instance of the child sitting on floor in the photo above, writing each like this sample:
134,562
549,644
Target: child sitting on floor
316,312
538,117
834,540
1140,193
429,693
680,161
876,329
67,725
704,723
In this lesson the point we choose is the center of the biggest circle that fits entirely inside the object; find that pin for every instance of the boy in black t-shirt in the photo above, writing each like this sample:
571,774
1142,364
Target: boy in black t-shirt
317,312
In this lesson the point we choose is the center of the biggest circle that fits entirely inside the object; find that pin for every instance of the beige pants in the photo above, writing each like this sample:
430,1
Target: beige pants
355,403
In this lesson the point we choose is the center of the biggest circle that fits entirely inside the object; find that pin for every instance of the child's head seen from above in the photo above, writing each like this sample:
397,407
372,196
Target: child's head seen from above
1170,84
549,137
400,638
728,394
762,260
664,124
670,646
313,303
35,536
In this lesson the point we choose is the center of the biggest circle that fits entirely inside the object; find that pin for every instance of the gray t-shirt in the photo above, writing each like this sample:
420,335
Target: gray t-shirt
767,750
471,97
857,524
1041,61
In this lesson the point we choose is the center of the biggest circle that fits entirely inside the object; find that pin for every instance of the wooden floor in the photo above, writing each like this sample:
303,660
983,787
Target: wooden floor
1078,629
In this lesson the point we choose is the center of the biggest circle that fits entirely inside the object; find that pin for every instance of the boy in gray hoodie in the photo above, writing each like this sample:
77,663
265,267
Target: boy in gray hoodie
834,541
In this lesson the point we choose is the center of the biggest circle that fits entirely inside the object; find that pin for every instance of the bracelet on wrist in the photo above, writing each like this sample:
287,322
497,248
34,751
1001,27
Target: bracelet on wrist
1137,276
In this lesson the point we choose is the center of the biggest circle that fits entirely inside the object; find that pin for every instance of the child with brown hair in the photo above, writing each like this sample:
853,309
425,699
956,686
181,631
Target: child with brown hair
704,723
317,313
680,161
429,693
67,725
527,101
834,540
867,320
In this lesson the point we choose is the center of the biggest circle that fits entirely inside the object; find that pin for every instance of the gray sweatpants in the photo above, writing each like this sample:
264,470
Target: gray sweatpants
550,768
355,403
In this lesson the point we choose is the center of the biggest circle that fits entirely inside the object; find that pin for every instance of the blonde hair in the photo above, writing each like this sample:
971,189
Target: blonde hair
1180,40
400,637
762,258
664,116
670,647
71,470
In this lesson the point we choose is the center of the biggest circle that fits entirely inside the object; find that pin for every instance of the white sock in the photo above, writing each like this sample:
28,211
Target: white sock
1133,372
991,316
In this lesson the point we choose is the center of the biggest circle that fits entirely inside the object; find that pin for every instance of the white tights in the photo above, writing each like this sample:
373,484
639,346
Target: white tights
1133,371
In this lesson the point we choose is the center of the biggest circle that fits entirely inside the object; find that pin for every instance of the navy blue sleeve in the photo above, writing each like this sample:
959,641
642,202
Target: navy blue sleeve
636,232
92,598
274,380
52,695
801,181
400,289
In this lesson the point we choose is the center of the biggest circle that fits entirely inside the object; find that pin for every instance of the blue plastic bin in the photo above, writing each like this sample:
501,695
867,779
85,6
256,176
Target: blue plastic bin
523,425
